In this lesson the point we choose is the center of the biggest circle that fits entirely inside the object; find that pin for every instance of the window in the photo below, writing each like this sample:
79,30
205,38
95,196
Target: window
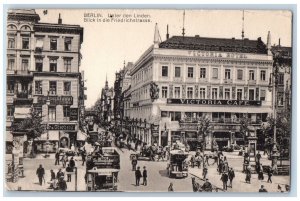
202,93
214,94
10,111
67,88
52,113
202,72
38,87
39,64
67,65
164,92
11,43
177,92
251,75
190,92
53,43
262,95
10,87
175,116
177,72
52,89
164,114
190,72
24,65
227,74
280,78
164,71
263,75
66,111
215,73
239,94
25,43
227,94
53,65
68,42
240,74
280,98
11,64
251,94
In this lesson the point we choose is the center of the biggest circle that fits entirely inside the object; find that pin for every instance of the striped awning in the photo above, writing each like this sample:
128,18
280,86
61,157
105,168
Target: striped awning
22,112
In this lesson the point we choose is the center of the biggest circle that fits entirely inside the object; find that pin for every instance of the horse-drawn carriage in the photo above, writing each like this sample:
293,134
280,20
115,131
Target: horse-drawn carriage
151,153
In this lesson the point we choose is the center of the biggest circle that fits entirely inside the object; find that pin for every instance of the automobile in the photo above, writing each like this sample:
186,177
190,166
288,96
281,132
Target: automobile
67,151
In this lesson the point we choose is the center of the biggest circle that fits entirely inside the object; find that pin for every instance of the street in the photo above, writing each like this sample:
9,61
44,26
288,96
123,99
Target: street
158,180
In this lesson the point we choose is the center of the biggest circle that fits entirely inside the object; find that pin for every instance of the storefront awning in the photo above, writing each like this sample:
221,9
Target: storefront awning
9,136
81,136
21,112
53,136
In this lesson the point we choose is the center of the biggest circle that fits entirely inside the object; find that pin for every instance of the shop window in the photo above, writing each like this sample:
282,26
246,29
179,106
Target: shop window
164,114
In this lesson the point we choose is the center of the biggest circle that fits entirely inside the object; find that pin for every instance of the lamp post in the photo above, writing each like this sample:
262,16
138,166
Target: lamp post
47,141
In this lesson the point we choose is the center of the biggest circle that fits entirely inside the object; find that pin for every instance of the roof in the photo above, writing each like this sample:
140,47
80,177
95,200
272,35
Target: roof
287,51
215,44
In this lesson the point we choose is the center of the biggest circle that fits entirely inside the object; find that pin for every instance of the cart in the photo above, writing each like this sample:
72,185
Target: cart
99,179
178,164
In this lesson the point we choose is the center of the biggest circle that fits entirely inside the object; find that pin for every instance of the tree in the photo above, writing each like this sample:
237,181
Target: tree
203,128
244,127
32,126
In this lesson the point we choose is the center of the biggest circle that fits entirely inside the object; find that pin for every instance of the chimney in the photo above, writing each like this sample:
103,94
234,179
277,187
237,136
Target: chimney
167,36
279,42
59,19
197,36
269,43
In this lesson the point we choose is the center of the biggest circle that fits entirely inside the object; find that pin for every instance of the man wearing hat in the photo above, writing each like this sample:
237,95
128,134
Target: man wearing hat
138,176
145,176
40,172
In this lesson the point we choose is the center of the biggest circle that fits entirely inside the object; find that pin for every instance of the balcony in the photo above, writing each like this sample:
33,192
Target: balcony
22,73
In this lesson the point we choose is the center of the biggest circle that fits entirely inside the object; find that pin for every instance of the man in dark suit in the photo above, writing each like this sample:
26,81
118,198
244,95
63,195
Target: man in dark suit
138,176
40,172
145,176
57,158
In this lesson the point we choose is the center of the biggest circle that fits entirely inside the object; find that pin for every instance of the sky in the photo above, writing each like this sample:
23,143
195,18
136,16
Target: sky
106,45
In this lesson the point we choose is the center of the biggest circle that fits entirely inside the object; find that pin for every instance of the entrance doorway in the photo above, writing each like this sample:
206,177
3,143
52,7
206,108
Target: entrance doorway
64,142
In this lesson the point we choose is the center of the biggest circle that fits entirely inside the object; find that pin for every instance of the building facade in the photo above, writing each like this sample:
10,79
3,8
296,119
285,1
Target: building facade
177,81
106,107
45,58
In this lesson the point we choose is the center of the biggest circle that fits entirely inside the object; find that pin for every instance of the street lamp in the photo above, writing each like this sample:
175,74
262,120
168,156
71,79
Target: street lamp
47,141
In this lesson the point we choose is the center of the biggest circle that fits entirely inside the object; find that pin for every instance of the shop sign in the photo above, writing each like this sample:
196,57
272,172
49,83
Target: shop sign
73,114
56,100
61,127
214,102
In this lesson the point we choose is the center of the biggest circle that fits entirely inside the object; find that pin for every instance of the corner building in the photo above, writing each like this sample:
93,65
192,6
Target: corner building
176,81
43,73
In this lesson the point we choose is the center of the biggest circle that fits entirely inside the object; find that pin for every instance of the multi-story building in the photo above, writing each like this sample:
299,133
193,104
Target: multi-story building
43,62
183,78
106,107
